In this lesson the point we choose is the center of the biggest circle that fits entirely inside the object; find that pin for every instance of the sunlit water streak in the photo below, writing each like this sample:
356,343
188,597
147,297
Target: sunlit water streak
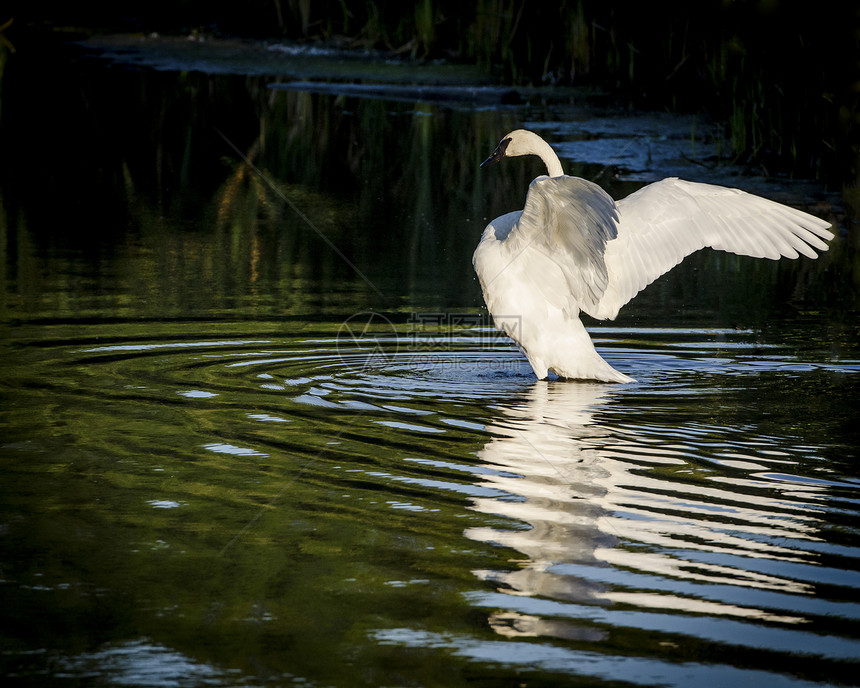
578,519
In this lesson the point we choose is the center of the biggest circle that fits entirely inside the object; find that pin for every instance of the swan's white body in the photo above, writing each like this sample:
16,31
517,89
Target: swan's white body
572,248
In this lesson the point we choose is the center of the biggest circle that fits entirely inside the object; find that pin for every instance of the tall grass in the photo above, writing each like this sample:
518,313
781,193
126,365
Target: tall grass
782,75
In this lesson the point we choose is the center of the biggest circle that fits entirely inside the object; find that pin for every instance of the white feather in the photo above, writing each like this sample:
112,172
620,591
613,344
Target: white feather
572,248
663,223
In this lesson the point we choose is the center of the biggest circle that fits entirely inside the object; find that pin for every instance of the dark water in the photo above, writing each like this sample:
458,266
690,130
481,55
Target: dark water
237,453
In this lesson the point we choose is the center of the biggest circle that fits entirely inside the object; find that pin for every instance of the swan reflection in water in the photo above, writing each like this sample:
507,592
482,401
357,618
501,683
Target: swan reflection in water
627,517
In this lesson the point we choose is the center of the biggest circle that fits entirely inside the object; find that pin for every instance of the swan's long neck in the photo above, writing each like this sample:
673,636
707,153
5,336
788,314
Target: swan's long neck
545,152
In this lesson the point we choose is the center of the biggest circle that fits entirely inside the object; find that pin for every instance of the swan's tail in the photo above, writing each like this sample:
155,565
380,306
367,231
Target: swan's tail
603,373
575,362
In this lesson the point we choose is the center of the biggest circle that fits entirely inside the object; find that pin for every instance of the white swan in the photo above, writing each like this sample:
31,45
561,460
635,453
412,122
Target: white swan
572,248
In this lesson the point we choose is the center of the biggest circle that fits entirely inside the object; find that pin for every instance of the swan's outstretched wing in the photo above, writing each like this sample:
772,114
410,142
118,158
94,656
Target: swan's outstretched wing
565,225
668,220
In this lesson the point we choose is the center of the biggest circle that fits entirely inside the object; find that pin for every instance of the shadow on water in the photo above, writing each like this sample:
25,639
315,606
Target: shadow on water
228,459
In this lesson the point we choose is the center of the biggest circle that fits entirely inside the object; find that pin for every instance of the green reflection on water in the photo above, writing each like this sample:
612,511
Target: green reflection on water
147,211
133,509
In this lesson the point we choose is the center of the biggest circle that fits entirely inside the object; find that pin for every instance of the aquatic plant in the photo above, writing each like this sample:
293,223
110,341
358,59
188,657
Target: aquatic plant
781,75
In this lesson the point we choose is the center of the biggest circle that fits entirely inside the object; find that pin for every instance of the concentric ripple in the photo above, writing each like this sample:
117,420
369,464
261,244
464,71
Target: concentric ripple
701,522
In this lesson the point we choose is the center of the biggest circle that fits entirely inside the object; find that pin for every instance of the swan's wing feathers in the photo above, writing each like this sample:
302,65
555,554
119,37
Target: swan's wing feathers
664,222
749,225
570,220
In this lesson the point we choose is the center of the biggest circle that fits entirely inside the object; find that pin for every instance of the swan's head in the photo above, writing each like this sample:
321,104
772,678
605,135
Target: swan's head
515,143
524,142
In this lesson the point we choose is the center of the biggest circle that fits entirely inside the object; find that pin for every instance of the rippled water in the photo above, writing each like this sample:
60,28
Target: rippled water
418,505
227,460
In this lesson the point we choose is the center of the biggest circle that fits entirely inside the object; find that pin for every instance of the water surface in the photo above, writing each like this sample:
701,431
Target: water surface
235,452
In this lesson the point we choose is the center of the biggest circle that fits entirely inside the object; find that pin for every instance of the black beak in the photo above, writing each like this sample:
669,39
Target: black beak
498,154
